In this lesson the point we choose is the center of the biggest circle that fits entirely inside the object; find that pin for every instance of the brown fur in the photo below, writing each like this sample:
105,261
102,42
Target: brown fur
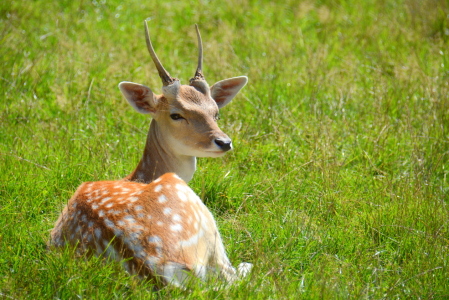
152,226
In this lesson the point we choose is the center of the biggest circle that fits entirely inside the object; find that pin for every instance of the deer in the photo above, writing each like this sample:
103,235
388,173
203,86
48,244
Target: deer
159,229
184,119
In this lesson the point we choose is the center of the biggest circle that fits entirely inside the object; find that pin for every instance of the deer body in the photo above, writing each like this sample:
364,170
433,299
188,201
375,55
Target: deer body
184,124
162,229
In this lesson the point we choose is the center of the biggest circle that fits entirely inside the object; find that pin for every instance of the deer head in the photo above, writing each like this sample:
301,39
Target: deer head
185,116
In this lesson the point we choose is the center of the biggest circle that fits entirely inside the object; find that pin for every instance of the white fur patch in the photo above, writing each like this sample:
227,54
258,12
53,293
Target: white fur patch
176,227
133,199
105,200
162,199
176,218
193,240
182,196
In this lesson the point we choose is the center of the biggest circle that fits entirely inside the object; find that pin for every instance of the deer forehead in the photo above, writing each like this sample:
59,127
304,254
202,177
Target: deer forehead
189,99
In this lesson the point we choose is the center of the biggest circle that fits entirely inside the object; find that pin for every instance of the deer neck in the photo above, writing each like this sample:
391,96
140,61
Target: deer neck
158,158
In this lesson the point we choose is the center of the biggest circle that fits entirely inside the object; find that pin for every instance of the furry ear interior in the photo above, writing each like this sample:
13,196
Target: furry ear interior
139,96
225,90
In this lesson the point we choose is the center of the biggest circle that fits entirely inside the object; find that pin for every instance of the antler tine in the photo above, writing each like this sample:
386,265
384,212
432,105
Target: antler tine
165,76
199,70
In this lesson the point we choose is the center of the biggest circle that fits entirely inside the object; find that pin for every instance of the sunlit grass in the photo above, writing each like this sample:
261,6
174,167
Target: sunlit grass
338,185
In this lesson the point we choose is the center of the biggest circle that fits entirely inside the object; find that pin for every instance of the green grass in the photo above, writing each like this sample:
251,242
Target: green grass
338,184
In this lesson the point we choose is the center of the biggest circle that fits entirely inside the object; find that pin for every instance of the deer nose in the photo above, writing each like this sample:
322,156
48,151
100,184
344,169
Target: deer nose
224,144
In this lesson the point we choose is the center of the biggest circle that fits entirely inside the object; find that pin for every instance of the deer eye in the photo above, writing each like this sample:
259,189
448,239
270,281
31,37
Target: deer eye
217,117
176,117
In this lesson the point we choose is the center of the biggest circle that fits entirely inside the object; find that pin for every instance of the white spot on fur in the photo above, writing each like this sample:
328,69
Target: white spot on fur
133,199
176,227
176,218
136,193
167,211
182,196
105,199
162,199
129,219
154,239
109,223
137,228
158,188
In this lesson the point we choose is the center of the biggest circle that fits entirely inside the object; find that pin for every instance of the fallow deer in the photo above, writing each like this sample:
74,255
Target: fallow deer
184,124
160,231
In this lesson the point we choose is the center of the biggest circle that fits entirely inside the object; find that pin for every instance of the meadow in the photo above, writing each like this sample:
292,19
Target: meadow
338,185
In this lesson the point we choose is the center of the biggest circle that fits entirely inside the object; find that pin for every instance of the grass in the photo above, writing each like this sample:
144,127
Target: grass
338,185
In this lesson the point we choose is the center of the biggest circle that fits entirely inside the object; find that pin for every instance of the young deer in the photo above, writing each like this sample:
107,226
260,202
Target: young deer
160,231
184,124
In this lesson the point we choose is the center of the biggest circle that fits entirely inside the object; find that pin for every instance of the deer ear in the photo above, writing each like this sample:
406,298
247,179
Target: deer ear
225,90
139,96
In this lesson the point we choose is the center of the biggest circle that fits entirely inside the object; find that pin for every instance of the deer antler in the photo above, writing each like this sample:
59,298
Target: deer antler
165,76
199,70
198,81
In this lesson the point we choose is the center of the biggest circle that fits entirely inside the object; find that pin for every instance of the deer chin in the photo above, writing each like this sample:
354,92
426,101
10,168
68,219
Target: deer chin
214,153
205,153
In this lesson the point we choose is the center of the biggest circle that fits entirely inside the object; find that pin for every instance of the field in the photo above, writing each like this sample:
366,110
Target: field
338,186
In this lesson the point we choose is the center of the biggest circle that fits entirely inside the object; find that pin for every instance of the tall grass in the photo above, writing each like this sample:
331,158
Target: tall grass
338,185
